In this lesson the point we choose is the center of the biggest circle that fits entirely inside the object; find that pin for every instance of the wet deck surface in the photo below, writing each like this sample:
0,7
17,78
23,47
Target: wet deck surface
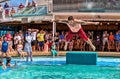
63,53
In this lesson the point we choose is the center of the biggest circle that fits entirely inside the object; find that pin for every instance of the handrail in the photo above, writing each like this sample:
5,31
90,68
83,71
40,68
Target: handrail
32,11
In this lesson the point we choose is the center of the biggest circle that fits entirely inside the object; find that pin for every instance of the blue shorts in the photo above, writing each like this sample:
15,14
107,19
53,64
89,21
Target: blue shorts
41,43
4,51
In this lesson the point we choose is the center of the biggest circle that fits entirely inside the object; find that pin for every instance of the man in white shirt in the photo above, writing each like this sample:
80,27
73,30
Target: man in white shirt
28,47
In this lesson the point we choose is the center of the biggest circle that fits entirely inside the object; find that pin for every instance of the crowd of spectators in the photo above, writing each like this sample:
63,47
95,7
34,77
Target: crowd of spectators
41,39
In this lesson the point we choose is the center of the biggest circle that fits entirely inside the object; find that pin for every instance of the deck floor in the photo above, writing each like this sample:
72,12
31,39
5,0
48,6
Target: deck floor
63,53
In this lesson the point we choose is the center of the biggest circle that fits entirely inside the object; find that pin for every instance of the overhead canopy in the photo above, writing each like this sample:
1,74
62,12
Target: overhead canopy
91,10
89,16
3,1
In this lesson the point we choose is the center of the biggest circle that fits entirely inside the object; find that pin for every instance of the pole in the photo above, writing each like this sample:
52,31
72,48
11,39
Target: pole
54,27
26,2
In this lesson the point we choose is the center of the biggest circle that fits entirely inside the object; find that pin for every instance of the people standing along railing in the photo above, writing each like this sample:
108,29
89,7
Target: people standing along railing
10,10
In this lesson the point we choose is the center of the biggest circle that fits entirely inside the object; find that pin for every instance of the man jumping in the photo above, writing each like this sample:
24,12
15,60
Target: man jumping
75,28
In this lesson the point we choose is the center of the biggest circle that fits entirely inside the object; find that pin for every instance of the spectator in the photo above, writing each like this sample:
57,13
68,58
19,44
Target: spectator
9,36
46,46
98,42
20,48
33,4
78,40
53,50
117,41
12,12
62,40
47,36
105,39
0,42
1,8
34,40
111,38
6,5
90,36
40,38
4,48
21,36
57,40
16,39
21,6
28,47
7,12
10,43
29,5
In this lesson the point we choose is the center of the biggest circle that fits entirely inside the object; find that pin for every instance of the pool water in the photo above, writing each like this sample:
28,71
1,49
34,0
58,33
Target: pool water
62,72
44,68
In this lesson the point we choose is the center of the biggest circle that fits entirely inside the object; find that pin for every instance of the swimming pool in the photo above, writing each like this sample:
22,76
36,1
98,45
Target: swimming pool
55,68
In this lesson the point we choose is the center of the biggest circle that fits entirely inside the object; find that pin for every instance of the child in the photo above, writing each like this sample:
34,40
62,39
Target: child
4,48
49,45
53,50
19,49
46,46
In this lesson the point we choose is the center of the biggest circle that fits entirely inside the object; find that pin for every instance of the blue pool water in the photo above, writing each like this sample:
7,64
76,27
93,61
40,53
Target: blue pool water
56,68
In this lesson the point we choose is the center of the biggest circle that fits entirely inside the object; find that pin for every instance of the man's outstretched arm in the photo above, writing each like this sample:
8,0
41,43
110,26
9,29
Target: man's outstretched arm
86,23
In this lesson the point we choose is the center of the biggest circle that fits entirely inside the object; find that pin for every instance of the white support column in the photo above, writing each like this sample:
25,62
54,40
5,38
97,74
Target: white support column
26,2
50,6
54,26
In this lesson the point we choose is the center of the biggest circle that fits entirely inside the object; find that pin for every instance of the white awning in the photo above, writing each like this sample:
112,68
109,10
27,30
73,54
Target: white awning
89,16
3,1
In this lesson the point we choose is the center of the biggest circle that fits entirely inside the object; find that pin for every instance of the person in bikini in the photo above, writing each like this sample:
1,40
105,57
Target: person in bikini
76,28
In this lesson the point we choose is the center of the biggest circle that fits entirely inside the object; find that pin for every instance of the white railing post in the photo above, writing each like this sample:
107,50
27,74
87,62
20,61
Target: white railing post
54,26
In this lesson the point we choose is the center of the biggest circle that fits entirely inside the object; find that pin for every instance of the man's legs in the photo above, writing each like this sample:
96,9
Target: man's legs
31,56
68,38
66,44
27,57
90,43
82,34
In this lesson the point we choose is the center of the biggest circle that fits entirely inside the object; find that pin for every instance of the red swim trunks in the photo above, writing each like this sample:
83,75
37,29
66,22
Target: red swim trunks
80,33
